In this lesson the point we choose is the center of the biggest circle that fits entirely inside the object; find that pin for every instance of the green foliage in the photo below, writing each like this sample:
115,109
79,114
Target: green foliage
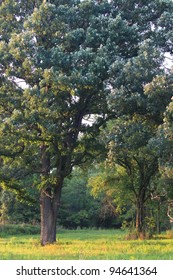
80,209
159,93
14,210
130,148
166,143
65,65
150,225
112,184
9,229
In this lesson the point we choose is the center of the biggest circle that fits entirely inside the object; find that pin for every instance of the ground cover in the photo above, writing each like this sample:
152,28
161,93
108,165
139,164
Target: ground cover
85,245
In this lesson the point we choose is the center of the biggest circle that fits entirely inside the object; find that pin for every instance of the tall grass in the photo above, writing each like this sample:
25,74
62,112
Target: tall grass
85,245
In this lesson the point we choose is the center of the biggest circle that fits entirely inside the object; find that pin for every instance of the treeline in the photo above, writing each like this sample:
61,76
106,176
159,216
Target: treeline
80,209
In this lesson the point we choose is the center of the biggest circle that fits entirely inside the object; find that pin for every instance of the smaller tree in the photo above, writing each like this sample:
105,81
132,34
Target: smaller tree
159,93
111,184
131,149
166,158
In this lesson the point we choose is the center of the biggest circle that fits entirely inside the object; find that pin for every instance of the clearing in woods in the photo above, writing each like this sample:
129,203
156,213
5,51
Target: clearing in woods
86,245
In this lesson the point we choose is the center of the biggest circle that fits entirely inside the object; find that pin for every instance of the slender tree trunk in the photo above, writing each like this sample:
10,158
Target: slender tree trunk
140,213
158,218
140,217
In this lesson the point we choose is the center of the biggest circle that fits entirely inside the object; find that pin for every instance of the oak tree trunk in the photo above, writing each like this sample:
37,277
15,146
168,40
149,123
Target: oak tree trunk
49,200
49,207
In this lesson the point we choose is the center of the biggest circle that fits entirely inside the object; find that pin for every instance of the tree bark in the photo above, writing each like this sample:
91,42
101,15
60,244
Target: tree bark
158,218
49,209
49,200
140,217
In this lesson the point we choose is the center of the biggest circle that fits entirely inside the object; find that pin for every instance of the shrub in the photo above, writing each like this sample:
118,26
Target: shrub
169,234
9,229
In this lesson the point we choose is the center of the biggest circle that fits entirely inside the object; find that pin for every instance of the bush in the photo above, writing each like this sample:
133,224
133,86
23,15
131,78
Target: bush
169,234
134,235
9,229
131,236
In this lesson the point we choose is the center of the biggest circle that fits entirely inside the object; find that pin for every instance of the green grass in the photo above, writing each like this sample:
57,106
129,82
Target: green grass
85,245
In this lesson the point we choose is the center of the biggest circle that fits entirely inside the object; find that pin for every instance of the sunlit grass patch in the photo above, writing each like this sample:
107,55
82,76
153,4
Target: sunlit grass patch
86,245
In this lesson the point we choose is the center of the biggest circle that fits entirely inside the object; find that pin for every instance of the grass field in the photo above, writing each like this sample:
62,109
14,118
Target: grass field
85,245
